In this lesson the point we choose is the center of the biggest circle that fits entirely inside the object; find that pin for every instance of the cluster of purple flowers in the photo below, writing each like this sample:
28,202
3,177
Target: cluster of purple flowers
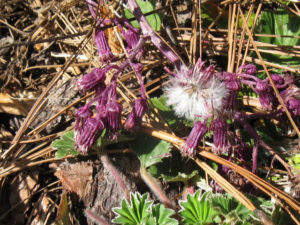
199,94
104,110
217,101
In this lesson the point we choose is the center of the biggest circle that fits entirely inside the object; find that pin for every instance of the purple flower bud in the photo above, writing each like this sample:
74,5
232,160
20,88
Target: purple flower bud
88,133
216,187
293,105
221,143
113,118
91,81
248,68
265,94
134,119
278,80
82,114
102,45
233,85
197,133
132,37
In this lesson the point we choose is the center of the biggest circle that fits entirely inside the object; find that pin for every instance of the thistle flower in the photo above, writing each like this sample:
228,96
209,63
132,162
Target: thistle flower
196,92
221,142
134,119
197,133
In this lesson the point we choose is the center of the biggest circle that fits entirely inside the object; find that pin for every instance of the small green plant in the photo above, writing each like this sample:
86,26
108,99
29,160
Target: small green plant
141,210
65,145
230,211
197,209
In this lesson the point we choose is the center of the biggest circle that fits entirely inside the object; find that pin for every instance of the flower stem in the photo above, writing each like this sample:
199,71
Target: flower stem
156,40
242,119
155,187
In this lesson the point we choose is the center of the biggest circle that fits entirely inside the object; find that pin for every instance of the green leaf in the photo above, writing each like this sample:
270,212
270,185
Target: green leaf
230,209
279,22
65,145
160,103
146,6
135,213
168,113
182,177
163,215
151,150
294,161
250,20
197,209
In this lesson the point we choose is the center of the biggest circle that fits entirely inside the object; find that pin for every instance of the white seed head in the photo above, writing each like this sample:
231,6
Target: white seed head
195,93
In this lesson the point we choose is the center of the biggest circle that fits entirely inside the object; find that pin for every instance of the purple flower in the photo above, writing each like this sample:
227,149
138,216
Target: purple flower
113,111
134,119
104,50
216,188
266,96
278,80
91,81
87,133
82,114
248,68
221,142
197,133
108,116
293,106
233,85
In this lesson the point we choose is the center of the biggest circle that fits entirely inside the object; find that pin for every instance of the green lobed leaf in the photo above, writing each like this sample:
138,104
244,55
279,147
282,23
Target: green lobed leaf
163,215
230,210
151,150
65,145
146,6
135,213
197,209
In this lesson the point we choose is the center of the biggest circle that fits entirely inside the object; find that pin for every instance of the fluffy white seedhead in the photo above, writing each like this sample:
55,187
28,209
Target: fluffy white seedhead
196,92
